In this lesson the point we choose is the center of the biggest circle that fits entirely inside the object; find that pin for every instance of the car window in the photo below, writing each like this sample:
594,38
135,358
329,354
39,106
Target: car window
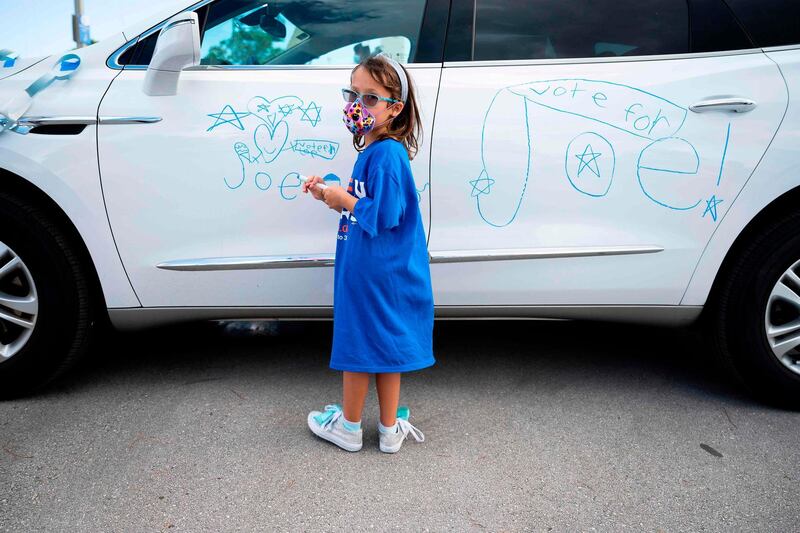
714,28
255,36
770,22
397,47
311,32
248,32
550,29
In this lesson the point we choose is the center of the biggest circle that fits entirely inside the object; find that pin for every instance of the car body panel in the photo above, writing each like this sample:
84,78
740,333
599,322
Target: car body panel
776,174
20,65
507,173
64,167
218,178
171,190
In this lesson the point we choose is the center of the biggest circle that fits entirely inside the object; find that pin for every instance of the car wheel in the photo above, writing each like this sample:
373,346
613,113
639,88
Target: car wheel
756,317
45,306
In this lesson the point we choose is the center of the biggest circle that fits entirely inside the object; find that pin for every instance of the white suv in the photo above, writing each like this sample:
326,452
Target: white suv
620,160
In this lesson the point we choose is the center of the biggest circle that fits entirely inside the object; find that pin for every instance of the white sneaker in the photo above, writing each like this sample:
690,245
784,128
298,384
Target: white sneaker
328,425
391,442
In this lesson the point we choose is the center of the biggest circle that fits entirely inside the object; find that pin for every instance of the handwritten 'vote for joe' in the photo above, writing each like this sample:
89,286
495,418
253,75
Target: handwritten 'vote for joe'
620,106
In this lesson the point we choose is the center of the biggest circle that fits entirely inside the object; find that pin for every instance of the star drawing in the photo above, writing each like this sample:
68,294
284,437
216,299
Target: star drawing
286,109
481,185
311,113
234,118
711,207
588,159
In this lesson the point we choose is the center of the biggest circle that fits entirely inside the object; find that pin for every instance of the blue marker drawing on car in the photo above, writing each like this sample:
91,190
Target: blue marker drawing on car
589,164
270,138
666,170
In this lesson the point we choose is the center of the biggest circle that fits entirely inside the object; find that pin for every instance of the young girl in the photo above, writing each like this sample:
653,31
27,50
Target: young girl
382,298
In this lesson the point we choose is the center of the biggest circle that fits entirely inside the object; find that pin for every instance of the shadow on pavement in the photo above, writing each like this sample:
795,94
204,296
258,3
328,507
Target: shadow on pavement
553,356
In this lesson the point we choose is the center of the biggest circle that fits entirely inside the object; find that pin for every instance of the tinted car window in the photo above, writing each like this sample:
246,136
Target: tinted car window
714,28
550,29
252,32
142,52
769,22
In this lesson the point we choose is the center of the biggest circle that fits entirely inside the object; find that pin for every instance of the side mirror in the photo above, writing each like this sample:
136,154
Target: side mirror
177,47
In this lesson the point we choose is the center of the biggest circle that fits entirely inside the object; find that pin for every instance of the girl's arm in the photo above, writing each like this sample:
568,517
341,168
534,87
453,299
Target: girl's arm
348,201
337,198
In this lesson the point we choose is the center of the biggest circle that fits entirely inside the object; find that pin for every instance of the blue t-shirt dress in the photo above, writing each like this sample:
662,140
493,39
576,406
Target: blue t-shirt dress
382,296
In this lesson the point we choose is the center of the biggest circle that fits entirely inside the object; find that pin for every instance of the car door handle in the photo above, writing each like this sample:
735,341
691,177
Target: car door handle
734,105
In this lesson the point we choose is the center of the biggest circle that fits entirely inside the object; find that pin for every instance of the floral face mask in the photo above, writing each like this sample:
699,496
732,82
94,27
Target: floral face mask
357,118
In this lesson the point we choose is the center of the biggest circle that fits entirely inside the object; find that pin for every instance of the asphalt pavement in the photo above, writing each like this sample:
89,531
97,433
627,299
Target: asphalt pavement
530,426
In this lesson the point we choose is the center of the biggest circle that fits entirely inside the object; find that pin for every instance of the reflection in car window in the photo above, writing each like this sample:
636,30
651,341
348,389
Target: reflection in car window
248,32
327,32
397,47
255,37
549,29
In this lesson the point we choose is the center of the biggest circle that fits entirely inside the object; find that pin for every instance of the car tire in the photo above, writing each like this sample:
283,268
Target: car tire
46,269
752,303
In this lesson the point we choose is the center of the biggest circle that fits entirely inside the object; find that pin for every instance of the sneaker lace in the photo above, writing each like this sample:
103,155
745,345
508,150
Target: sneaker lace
407,428
332,412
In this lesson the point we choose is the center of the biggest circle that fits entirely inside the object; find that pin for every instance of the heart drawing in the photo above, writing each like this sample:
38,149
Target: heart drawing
271,140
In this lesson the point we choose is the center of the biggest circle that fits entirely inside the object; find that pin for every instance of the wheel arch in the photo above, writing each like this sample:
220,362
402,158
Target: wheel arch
25,190
782,205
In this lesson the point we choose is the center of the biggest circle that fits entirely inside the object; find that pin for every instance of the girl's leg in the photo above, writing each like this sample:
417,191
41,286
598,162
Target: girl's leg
354,391
388,386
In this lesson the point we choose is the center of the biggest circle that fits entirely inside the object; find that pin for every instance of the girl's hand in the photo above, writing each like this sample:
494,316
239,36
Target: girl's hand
336,197
309,186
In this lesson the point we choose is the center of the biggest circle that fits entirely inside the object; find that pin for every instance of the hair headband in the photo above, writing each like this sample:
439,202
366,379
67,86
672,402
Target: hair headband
400,74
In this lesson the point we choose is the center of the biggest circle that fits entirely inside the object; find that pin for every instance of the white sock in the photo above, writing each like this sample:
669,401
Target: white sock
384,429
351,426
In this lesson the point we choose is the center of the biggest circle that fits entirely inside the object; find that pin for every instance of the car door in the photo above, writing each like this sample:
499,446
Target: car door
584,153
205,204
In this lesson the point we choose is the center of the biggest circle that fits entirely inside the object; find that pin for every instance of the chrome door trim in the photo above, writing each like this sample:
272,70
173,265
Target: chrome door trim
580,60
204,68
133,318
32,122
348,67
178,23
781,48
247,263
113,60
25,125
463,256
664,315
129,120
450,256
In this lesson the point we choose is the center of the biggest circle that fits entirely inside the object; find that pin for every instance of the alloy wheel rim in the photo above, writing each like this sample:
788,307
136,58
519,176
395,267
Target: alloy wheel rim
782,319
19,304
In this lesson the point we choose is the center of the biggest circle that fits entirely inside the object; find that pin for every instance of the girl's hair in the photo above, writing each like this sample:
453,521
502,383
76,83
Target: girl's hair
405,127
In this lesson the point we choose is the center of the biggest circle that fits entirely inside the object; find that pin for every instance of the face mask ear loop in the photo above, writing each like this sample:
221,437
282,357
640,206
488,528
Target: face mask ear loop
387,120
